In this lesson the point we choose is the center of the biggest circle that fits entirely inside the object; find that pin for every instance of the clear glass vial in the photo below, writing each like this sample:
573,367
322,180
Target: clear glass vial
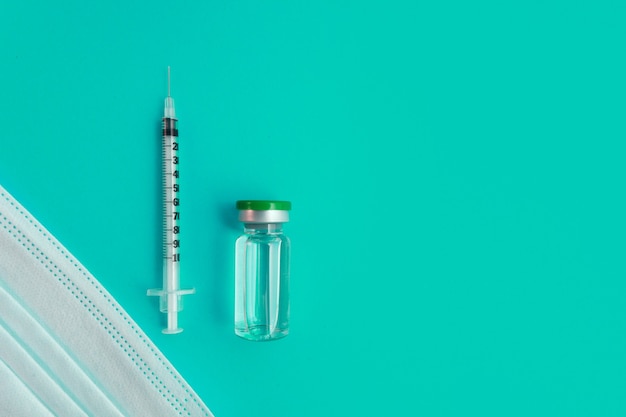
262,271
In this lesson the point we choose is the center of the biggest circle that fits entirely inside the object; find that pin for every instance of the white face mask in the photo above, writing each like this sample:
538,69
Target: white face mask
67,348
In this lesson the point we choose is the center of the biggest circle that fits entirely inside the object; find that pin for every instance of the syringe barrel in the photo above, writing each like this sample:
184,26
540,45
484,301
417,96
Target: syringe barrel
171,207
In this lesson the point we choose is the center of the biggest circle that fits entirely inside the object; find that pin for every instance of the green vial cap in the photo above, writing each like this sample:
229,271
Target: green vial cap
259,205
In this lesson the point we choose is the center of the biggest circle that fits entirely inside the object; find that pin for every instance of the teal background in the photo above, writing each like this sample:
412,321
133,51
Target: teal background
456,171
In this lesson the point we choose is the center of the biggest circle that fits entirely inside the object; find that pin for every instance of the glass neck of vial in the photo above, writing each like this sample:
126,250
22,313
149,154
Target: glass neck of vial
262,228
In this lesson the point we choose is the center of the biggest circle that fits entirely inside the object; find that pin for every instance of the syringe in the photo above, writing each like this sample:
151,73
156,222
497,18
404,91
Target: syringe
171,294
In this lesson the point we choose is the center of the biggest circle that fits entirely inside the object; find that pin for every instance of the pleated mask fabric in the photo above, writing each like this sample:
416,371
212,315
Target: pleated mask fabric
67,348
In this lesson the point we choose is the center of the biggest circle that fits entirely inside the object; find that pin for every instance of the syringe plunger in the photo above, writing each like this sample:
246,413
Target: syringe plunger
171,302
